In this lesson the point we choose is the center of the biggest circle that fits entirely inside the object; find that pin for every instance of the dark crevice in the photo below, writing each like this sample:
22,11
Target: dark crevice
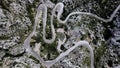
10,55
110,63
107,34
118,41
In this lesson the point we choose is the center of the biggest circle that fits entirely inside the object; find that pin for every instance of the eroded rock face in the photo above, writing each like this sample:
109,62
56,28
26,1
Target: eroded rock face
112,52
20,62
2,54
14,24
16,50
17,20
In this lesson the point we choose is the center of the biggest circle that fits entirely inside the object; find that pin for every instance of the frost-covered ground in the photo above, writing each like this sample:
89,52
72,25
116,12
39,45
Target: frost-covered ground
27,42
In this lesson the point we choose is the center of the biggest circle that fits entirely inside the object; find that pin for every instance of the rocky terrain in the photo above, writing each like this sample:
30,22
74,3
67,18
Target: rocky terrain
17,20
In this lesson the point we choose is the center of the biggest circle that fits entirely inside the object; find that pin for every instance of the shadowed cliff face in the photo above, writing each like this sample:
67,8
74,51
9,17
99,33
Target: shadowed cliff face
17,18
